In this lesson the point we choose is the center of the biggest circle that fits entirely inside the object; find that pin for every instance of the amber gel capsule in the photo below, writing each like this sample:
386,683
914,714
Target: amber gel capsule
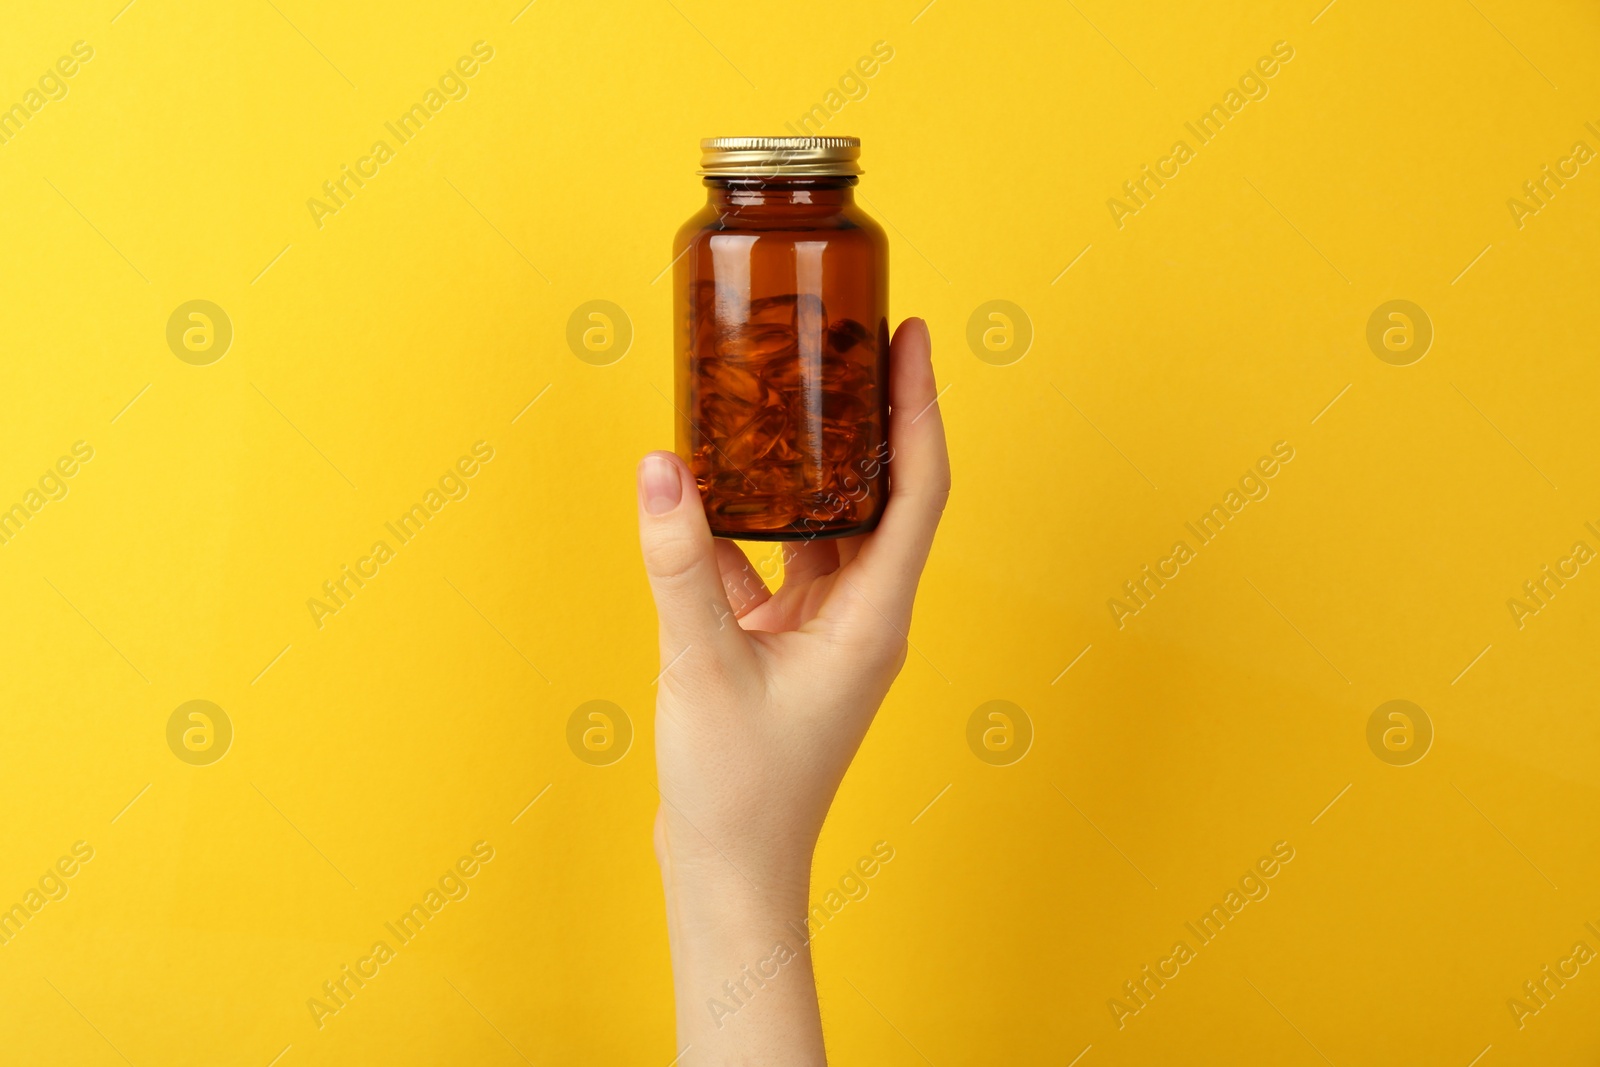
781,296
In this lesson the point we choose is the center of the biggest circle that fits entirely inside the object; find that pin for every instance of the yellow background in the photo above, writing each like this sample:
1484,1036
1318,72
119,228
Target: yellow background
369,354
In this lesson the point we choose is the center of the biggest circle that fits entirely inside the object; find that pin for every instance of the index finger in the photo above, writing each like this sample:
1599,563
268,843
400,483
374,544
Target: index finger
884,573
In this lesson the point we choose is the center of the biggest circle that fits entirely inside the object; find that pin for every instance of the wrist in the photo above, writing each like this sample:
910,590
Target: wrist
715,895
773,874
743,976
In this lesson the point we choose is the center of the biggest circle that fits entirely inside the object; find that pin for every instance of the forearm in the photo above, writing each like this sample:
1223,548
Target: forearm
741,970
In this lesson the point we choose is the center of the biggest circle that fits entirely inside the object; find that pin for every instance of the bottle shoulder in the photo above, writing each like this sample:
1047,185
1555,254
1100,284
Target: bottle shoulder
848,223
694,226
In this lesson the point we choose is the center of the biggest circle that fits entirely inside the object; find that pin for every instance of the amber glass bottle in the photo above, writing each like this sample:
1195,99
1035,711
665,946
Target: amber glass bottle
781,294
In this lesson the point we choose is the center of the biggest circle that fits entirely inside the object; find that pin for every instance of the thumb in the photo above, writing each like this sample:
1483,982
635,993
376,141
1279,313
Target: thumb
681,561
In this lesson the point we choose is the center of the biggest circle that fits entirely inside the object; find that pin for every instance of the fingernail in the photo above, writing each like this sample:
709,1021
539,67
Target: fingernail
659,486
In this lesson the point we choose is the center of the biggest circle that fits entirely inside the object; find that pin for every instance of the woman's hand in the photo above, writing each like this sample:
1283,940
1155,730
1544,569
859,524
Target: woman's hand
763,701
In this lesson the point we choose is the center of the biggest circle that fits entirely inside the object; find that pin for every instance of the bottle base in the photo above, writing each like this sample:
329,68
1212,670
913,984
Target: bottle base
824,533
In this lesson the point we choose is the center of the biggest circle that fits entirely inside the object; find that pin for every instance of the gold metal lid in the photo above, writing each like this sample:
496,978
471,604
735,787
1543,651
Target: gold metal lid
777,157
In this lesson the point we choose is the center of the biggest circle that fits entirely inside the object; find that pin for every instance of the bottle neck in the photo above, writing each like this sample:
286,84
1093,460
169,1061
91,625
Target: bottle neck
787,196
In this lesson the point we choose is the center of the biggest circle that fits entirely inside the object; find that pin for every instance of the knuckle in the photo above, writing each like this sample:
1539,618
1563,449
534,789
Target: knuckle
670,559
